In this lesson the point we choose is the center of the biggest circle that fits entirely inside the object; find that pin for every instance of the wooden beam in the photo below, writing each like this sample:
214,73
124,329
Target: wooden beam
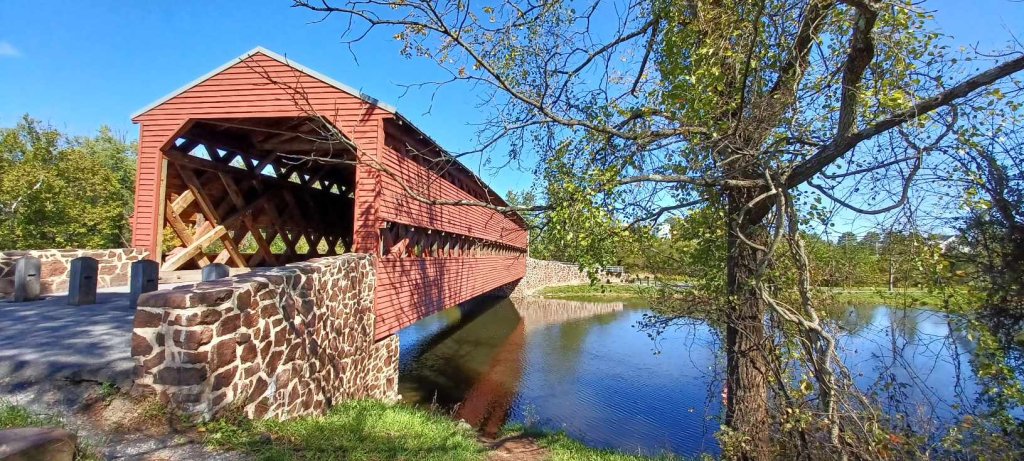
204,240
223,257
236,196
176,260
181,230
182,202
211,213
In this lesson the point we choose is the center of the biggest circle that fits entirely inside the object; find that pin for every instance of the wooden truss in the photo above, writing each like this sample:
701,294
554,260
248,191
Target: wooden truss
225,187
404,241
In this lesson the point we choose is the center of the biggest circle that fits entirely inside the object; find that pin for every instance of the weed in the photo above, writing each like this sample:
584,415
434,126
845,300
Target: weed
108,391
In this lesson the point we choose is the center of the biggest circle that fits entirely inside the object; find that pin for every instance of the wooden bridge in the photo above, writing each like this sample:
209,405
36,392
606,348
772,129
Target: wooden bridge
263,162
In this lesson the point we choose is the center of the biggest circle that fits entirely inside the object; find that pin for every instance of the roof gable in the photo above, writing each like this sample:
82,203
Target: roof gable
279,58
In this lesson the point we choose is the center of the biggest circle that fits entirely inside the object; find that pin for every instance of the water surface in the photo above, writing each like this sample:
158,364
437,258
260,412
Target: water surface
591,370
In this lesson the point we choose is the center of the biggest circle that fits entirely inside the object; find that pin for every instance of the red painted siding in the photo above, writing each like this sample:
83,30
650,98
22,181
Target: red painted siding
397,205
408,289
243,90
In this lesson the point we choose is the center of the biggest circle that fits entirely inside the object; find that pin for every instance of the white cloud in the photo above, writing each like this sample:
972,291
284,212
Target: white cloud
8,51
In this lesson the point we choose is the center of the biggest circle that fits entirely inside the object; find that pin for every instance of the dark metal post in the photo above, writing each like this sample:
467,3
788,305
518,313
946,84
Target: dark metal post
82,286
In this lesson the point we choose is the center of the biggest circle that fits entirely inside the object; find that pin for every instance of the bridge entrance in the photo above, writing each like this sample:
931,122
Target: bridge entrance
264,162
261,191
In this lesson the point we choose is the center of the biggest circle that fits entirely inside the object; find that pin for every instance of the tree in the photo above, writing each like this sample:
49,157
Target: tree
988,180
757,110
61,192
871,241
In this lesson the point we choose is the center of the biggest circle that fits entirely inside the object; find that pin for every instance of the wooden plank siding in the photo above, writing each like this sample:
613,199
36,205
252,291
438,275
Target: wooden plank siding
397,205
409,289
261,84
243,90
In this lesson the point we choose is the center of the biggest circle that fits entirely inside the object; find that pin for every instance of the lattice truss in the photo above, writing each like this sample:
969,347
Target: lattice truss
256,192
404,241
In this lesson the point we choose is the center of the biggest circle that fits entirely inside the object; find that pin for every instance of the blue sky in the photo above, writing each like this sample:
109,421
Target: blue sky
79,65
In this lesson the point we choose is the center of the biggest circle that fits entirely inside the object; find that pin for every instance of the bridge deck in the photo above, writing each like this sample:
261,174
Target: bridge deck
264,162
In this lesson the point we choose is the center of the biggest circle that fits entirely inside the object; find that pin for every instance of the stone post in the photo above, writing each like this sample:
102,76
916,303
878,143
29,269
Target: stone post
83,280
145,278
27,271
215,271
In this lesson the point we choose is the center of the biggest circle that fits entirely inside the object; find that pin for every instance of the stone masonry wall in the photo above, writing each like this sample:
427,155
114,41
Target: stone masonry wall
273,343
114,267
541,273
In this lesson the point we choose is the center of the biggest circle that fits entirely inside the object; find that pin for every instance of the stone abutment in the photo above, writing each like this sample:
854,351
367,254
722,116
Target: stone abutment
278,342
541,273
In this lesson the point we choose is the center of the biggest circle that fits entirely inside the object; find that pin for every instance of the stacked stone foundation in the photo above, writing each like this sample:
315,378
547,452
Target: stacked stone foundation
272,343
114,267
540,274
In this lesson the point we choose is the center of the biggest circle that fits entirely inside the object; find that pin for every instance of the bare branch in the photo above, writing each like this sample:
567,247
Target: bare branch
840,146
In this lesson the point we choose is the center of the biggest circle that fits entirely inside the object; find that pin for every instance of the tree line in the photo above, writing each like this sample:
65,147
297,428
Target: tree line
63,191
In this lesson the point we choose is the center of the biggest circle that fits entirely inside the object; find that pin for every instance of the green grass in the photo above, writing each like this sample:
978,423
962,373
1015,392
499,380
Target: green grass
365,430
15,416
356,430
563,448
598,292
901,297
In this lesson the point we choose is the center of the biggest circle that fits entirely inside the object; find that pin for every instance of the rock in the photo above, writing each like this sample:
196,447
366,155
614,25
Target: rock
37,443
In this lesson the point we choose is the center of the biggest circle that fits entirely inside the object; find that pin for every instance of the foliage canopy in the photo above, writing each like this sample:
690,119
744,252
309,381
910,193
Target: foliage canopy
58,191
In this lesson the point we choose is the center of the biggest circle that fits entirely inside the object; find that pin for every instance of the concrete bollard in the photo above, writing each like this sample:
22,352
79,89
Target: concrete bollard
215,271
27,272
145,278
82,285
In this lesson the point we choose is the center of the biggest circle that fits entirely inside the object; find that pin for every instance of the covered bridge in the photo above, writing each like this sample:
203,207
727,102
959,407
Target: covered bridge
263,162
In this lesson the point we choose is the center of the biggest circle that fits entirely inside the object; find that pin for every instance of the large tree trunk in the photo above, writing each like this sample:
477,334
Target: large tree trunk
745,340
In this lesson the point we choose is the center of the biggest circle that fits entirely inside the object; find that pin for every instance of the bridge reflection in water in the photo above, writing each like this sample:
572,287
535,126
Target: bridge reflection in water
470,359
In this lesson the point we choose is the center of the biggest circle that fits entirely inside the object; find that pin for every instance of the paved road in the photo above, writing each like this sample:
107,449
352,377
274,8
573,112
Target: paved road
53,358
47,340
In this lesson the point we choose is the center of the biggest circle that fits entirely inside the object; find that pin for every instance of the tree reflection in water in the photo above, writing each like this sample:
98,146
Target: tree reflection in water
588,369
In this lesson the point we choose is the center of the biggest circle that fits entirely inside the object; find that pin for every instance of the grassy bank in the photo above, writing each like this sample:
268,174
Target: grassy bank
357,430
598,292
16,416
368,430
901,297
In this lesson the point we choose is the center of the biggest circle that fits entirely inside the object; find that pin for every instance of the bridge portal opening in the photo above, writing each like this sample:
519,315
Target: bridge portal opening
253,192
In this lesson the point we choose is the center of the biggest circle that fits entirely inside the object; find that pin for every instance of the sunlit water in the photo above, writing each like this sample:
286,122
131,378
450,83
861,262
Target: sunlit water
590,369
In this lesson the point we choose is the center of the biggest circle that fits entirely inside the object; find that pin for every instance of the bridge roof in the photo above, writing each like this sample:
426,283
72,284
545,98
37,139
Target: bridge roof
338,85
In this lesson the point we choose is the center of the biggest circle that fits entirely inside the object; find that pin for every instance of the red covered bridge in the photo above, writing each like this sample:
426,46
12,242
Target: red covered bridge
263,162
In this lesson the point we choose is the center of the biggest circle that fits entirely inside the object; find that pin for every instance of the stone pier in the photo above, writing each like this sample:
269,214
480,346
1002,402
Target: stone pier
278,342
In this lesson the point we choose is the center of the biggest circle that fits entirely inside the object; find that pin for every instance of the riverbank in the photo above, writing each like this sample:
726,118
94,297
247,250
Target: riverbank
610,292
356,430
370,430
901,297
